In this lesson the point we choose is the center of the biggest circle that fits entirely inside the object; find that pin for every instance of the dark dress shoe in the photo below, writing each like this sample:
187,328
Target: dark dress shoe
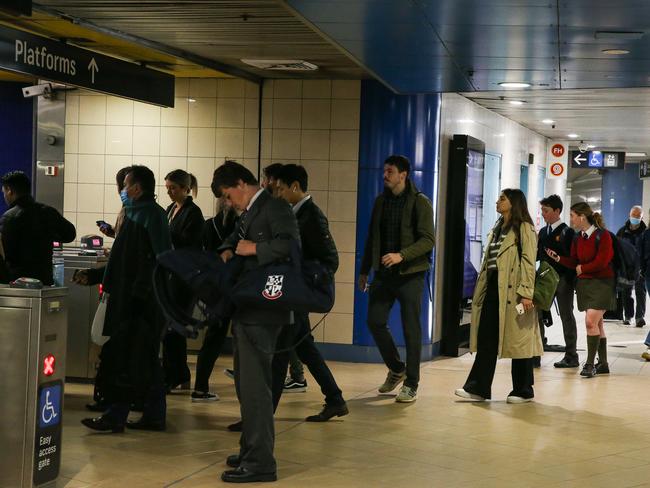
236,427
640,323
233,460
566,363
102,424
242,475
144,424
588,371
602,368
96,407
328,412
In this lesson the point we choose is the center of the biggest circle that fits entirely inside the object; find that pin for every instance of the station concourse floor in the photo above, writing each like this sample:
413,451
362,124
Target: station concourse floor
578,432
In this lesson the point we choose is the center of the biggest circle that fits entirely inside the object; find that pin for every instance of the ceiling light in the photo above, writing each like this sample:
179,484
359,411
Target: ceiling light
635,154
548,121
514,84
573,136
191,100
465,121
615,52
517,102
590,146
500,135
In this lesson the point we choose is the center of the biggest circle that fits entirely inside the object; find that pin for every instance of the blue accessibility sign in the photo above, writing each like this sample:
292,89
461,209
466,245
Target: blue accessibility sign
595,159
49,406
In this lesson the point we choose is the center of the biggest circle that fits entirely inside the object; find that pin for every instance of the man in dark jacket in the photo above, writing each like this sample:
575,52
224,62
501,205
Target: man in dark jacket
28,229
558,237
632,232
265,233
398,248
133,321
317,244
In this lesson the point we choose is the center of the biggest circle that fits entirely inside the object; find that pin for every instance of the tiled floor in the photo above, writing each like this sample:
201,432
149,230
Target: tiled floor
578,433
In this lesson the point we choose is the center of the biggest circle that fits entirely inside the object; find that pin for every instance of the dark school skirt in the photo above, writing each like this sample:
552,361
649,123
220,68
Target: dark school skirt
596,293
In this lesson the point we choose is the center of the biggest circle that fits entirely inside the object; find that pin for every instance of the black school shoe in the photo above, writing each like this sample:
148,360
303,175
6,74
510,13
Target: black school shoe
602,368
144,424
243,475
233,461
236,427
103,424
566,363
328,412
588,371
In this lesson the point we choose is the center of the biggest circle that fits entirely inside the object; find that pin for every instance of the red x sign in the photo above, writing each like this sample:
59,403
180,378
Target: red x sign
48,365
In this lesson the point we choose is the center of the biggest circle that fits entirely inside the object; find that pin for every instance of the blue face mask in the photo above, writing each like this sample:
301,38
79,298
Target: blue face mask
634,221
124,196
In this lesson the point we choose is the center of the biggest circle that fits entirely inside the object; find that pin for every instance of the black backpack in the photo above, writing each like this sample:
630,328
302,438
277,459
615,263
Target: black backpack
626,262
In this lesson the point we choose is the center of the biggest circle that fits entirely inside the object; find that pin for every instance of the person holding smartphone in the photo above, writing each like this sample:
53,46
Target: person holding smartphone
591,256
504,319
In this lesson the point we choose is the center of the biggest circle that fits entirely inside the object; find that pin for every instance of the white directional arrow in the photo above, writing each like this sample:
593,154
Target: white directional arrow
93,68
579,159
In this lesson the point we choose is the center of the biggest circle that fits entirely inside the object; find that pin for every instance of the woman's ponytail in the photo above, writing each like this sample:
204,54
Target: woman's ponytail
598,220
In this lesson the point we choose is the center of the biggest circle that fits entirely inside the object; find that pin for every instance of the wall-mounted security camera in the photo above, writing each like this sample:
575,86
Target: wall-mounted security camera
44,90
582,147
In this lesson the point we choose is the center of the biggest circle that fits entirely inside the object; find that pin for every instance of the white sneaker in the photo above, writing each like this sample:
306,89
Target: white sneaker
468,396
518,399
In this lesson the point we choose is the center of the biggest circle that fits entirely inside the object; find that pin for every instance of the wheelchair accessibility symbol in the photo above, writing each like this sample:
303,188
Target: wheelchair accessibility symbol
49,408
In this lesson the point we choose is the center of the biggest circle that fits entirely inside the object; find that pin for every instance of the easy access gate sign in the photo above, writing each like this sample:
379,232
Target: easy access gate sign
37,56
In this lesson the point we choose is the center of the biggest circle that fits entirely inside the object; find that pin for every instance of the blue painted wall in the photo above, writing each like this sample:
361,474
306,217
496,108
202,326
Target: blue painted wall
393,124
16,131
626,189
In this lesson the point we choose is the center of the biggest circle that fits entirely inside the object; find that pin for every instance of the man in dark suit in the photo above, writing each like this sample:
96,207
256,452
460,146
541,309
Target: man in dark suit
317,244
558,236
265,232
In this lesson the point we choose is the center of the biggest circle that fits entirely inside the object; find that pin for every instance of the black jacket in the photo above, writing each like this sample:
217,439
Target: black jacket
269,223
186,227
317,242
559,241
632,236
28,229
216,229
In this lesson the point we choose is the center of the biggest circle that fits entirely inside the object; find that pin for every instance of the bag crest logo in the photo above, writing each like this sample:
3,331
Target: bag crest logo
273,287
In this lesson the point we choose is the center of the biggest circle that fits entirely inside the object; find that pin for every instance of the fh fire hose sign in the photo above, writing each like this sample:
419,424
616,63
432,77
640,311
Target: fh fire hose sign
557,159
44,58
47,445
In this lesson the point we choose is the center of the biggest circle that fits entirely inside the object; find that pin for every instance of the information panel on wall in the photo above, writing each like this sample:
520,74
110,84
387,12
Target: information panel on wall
644,169
598,159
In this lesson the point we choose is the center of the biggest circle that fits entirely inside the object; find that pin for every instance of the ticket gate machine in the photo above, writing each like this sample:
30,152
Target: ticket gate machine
33,328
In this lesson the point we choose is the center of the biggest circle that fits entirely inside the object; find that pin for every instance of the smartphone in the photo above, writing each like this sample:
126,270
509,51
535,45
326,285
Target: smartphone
520,308
101,223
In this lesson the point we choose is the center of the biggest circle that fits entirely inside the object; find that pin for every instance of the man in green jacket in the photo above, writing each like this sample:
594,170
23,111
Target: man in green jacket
398,249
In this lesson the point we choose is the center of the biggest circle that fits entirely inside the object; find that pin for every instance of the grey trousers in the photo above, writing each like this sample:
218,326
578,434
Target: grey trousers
564,294
253,355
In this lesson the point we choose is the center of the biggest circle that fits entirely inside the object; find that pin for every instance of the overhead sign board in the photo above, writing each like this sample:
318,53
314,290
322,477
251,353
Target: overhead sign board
597,160
644,169
43,58
556,157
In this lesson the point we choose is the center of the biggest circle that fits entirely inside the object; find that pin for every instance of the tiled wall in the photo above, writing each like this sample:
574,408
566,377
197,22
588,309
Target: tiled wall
211,120
316,123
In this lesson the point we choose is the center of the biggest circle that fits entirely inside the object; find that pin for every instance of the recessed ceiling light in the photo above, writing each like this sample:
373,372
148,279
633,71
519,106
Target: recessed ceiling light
465,121
548,121
573,136
514,84
590,146
191,100
517,102
501,134
615,52
636,154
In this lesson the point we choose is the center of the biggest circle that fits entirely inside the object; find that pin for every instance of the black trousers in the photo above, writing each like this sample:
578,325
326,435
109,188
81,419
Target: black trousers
175,359
407,290
639,292
213,341
311,357
481,375
254,347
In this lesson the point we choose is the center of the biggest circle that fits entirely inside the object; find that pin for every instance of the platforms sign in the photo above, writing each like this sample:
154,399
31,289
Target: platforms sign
557,153
26,53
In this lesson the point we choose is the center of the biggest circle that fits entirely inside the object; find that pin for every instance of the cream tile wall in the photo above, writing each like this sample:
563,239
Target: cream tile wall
212,119
316,123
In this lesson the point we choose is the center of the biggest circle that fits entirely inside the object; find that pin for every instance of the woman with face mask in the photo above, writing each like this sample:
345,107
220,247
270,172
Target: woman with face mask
186,228
592,252
504,319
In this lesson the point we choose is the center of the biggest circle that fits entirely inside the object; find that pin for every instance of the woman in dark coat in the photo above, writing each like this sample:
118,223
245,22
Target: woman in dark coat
186,228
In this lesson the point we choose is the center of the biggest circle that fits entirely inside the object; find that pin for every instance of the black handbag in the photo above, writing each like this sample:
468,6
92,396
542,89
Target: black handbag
290,285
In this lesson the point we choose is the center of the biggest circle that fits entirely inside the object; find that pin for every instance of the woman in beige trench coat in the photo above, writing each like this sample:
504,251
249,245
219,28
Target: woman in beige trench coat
504,321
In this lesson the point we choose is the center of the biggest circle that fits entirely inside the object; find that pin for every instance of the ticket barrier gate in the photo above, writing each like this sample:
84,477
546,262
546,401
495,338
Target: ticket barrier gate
33,328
